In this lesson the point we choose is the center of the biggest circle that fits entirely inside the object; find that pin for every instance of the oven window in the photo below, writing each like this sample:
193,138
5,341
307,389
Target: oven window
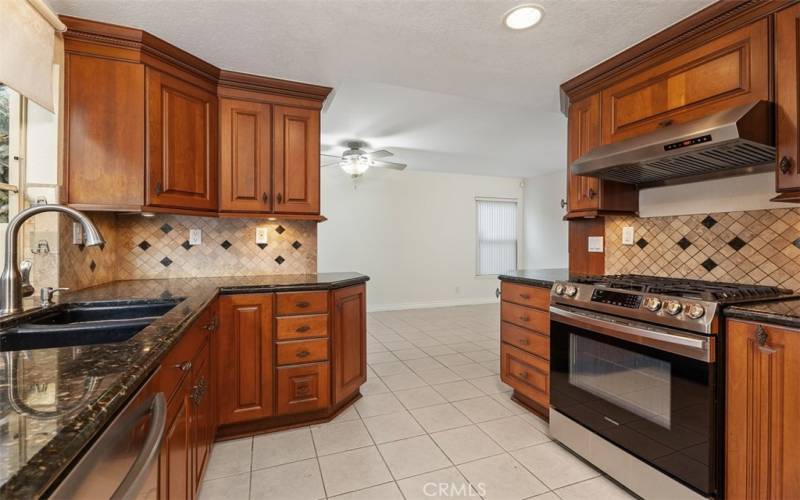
634,381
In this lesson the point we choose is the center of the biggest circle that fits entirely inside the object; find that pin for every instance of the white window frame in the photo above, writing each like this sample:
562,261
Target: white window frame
517,247
17,124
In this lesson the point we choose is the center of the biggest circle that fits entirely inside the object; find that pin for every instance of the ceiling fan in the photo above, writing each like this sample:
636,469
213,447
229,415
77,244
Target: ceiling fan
355,161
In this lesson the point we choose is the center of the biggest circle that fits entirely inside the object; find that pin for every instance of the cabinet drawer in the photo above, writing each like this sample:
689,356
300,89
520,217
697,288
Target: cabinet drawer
178,361
527,374
303,388
301,327
534,343
525,295
525,317
302,351
302,303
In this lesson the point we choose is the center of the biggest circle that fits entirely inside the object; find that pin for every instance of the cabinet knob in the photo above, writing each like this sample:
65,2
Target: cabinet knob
265,197
525,296
523,375
563,203
525,318
303,354
497,293
665,123
159,187
303,329
184,367
761,336
524,342
303,304
591,193
279,197
785,165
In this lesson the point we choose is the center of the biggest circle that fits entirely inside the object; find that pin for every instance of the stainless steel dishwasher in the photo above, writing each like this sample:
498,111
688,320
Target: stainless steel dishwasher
123,462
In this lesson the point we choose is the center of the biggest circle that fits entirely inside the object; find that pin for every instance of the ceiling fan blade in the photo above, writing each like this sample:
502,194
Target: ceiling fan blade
327,160
381,153
388,164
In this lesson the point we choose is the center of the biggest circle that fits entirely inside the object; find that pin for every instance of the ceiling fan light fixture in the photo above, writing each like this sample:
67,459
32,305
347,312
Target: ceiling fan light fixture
355,165
523,16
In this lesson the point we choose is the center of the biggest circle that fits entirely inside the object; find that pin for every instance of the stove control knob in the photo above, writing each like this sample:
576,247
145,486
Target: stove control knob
652,303
570,291
559,289
695,311
673,307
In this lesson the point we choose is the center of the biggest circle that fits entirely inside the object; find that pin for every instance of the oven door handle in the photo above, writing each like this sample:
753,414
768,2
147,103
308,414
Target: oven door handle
665,339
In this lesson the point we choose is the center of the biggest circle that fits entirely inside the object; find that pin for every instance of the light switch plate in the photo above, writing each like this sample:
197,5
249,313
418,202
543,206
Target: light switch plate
77,233
627,235
261,235
596,244
195,237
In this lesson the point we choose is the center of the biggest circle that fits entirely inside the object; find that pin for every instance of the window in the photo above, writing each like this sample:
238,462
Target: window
10,133
497,236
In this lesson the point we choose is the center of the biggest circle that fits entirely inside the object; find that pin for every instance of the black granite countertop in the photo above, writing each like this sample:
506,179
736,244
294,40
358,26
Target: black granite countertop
784,312
536,277
69,394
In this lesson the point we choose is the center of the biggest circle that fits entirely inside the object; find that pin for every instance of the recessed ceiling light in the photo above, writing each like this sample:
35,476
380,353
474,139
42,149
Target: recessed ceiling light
523,16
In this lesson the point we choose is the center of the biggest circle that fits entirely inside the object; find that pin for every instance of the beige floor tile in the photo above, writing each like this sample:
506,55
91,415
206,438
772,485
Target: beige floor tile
437,350
346,415
456,391
490,385
537,422
403,381
378,404
229,458
465,347
409,354
337,437
471,370
554,465
513,433
482,355
386,428
439,376
492,366
387,491
444,484
413,456
390,368
502,478
454,359
226,488
594,489
423,364
353,470
419,397
504,398
297,481
373,385
282,448
482,409
466,444
550,496
440,417
398,345
380,357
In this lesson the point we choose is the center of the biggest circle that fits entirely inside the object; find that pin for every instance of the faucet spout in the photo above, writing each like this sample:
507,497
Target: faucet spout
11,278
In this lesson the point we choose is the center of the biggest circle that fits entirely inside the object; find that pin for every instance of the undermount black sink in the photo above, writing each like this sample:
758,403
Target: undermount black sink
83,324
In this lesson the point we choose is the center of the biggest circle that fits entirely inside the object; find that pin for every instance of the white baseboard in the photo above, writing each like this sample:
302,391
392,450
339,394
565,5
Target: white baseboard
431,304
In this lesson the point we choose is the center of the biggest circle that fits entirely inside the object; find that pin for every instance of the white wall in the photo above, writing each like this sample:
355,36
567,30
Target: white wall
545,242
412,232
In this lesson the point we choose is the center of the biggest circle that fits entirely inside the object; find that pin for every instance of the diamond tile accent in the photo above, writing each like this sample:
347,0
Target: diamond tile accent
709,265
144,245
166,261
737,243
684,243
709,222
186,244
262,246
641,243
797,242
226,244
280,229
166,228
93,266
280,260
297,245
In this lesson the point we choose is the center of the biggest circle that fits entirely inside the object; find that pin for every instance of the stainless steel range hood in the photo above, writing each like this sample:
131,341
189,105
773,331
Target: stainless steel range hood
732,142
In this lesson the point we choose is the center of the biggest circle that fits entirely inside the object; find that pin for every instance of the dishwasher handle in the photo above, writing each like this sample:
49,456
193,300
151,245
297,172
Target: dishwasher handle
136,475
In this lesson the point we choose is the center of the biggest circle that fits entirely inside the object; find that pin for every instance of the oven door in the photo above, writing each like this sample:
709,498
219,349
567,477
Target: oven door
648,390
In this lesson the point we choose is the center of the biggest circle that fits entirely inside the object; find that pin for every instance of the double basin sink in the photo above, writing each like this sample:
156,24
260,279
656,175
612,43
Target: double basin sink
82,324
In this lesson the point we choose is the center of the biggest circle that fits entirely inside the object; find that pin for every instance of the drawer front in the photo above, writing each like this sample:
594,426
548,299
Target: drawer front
302,351
526,295
534,343
301,327
290,303
303,388
527,374
525,317
178,361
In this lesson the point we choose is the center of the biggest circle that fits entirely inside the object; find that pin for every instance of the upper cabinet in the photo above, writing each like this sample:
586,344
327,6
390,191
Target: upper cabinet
787,58
149,127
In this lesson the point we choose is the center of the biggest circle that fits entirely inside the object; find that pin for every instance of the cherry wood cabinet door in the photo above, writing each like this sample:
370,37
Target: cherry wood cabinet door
202,413
182,144
787,87
296,160
762,457
245,156
349,337
244,358
303,388
583,193
175,462
104,132
727,71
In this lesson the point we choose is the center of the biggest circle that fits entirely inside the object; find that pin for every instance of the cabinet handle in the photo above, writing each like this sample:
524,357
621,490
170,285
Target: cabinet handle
212,325
497,293
525,318
265,197
525,296
184,367
303,354
665,123
303,329
785,165
159,187
591,193
761,336
524,341
563,203
280,198
524,375
303,304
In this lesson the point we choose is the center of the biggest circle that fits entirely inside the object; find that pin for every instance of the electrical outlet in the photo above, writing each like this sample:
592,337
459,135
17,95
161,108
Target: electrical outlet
627,235
261,235
596,244
195,237
77,233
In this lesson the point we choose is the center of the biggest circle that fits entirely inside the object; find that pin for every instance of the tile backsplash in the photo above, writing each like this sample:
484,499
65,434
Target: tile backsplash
158,247
760,246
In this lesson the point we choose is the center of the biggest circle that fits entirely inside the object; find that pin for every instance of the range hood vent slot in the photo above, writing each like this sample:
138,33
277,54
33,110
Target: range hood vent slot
732,142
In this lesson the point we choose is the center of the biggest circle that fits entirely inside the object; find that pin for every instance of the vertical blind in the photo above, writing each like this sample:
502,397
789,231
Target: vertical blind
497,236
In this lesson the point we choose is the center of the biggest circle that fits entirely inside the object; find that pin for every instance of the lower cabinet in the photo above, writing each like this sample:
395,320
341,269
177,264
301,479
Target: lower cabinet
303,388
762,457
349,341
175,463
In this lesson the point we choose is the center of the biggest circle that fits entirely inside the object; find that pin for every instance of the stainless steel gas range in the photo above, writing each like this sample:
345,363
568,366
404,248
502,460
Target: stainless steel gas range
636,378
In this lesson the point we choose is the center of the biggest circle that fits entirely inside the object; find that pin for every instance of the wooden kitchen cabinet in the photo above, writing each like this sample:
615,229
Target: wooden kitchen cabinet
762,459
245,156
590,196
303,388
787,87
244,355
202,410
296,160
349,338
175,462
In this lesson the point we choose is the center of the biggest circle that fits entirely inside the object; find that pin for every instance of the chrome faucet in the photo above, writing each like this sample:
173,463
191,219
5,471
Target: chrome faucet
11,278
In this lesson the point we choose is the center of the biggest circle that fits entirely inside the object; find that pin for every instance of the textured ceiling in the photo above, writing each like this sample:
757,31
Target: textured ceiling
442,82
